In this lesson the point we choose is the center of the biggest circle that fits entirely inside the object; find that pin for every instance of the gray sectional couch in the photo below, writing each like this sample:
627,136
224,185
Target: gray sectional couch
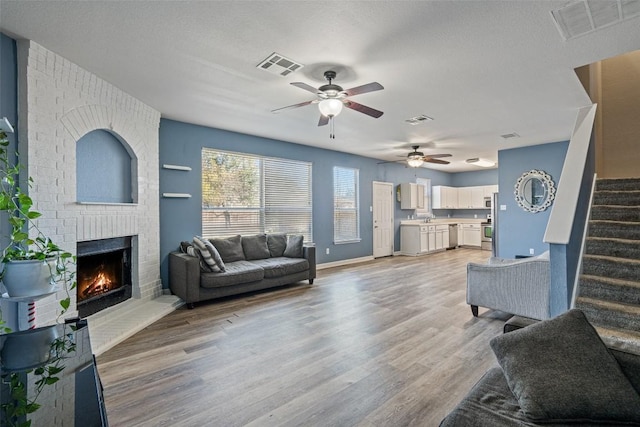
243,264
553,373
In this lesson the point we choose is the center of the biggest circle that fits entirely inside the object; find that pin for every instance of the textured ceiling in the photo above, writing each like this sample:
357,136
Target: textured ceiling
481,69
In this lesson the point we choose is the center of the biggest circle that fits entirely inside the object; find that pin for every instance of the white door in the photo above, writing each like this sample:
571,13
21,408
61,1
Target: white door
382,219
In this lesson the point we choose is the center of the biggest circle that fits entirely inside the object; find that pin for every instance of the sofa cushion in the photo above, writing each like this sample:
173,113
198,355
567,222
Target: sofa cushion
277,243
282,266
561,371
294,246
237,272
255,247
230,249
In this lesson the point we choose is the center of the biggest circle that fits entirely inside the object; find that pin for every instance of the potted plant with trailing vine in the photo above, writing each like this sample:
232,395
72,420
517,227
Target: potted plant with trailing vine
32,263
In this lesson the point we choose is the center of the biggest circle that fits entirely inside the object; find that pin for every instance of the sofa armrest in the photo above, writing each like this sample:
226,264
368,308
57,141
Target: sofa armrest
309,252
520,288
184,276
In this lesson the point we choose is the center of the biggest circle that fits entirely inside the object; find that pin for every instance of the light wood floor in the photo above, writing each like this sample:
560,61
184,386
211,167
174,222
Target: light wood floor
385,343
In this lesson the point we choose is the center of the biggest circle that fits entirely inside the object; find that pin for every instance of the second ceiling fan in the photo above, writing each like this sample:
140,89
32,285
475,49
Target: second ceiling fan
331,98
417,158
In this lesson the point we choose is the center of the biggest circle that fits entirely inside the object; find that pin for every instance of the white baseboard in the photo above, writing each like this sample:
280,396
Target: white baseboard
344,262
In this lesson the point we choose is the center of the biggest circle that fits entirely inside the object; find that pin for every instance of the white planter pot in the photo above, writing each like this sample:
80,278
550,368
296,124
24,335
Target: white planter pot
28,278
27,349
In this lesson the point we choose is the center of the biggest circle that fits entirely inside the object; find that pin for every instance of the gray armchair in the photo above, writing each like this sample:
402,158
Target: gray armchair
519,287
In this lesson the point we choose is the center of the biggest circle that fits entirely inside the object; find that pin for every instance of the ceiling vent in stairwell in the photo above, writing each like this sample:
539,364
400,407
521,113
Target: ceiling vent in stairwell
585,16
279,65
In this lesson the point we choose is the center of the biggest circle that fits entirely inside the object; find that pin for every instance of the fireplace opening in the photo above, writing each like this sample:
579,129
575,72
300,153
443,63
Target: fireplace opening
103,273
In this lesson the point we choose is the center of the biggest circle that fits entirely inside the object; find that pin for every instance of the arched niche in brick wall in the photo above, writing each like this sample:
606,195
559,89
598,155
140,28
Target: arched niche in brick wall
105,169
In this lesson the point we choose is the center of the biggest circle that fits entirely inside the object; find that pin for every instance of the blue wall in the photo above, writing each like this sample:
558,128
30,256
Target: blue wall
103,168
180,219
518,230
8,103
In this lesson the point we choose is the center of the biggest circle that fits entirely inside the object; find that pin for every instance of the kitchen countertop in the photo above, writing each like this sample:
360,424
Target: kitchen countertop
442,221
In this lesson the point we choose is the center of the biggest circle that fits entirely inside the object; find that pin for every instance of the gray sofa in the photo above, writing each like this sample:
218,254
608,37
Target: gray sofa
553,373
520,287
244,264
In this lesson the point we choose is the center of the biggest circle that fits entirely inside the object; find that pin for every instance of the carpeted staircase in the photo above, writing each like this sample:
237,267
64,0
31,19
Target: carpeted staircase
609,286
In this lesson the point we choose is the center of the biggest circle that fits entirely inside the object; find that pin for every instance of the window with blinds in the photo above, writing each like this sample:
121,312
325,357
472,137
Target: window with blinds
248,194
426,211
346,210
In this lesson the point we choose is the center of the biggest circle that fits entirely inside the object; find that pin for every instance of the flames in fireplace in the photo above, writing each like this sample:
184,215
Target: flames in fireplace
101,283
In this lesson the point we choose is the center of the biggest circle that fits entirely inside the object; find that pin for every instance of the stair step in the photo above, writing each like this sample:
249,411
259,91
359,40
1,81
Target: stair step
614,229
616,213
605,266
622,340
606,288
619,248
611,315
618,184
617,198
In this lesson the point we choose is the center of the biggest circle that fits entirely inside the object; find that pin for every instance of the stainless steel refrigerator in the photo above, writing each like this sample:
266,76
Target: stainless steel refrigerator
495,220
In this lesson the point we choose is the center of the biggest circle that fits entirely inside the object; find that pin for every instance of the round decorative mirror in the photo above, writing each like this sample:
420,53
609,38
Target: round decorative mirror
535,191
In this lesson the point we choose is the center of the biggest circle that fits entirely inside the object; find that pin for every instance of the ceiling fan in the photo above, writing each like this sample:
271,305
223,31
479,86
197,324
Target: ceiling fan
331,98
417,158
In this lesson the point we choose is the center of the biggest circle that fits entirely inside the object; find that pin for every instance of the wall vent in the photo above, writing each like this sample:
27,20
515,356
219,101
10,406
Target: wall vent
279,65
418,119
585,16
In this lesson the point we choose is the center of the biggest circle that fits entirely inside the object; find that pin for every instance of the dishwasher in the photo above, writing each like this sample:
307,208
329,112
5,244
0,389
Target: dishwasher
453,236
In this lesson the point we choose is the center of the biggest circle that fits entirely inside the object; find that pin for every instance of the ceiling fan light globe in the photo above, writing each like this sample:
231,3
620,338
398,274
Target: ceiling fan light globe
415,162
330,107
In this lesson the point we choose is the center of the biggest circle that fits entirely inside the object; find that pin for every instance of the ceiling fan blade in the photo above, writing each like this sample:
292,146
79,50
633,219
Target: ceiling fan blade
363,109
305,87
323,120
391,161
437,156
369,87
436,161
302,104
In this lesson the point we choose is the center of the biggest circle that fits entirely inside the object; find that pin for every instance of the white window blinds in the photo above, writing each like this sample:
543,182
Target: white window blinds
426,211
346,212
248,194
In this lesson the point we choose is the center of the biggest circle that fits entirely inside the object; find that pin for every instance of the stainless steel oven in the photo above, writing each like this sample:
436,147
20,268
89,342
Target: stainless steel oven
486,236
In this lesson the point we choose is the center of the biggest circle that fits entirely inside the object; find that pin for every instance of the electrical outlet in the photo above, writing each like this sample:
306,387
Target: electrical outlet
327,251
475,215
503,207
531,251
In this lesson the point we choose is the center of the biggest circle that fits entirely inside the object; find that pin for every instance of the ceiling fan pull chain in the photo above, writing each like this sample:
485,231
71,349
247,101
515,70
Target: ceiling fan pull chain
332,132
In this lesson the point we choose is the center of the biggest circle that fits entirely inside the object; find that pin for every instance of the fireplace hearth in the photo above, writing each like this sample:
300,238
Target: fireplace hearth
104,274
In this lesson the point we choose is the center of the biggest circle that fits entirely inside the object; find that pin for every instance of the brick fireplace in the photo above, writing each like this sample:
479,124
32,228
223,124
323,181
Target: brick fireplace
59,103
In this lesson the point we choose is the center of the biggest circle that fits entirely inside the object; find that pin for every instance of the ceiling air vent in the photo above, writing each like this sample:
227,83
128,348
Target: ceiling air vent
584,16
418,119
279,65
510,135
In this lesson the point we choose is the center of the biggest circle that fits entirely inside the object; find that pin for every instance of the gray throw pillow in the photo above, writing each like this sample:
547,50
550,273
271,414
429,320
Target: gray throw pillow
294,246
277,243
255,247
561,371
206,255
230,249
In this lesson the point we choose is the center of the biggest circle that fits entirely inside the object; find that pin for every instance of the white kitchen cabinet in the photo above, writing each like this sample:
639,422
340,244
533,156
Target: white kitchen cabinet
460,235
441,237
471,234
471,197
444,197
414,239
411,196
432,238
489,190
